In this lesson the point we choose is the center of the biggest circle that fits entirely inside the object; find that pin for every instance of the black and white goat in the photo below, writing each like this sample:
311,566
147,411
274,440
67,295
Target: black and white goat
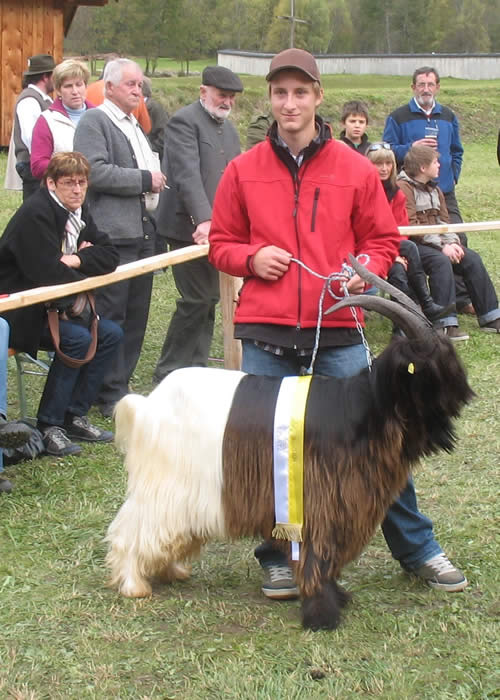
199,455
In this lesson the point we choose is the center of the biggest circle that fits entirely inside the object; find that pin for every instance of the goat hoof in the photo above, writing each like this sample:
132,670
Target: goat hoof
142,590
174,572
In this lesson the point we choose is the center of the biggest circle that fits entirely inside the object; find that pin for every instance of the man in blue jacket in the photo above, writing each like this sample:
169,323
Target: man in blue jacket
425,121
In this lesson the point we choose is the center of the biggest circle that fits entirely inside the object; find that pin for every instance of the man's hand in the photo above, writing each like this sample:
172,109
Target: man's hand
453,251
271,262
200,236
427,141
356,285
158,183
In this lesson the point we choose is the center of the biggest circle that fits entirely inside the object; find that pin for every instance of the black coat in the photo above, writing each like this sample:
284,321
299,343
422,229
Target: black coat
30,256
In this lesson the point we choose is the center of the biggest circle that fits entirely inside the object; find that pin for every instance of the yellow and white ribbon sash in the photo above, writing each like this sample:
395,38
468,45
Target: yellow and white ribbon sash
288,454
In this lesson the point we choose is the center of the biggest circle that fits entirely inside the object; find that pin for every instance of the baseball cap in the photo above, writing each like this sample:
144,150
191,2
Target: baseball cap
294,59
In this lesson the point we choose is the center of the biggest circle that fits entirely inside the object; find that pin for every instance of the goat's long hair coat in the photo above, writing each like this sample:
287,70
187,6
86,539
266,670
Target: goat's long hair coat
199,454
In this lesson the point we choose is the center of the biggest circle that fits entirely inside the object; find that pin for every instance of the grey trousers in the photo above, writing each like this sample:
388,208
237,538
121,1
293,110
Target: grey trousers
189,335
126,303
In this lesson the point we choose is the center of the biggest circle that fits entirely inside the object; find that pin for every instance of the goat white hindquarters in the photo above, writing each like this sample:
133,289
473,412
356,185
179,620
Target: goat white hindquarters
173,445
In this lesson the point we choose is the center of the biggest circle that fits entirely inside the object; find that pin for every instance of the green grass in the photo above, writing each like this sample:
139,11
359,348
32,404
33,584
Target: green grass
65,635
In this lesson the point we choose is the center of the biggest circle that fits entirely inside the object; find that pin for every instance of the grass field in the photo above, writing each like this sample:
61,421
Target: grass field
65,635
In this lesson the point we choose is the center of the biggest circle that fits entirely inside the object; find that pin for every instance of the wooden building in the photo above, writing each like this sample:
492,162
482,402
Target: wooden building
29,27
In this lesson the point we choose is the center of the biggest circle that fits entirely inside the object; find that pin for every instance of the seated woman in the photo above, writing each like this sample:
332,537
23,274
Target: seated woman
406,273
52,239
55,127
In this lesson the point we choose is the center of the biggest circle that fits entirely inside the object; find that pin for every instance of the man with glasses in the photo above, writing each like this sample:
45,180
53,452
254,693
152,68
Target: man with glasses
424,121
427,122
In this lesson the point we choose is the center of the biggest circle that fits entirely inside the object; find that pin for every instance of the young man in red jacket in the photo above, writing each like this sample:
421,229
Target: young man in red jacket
301,195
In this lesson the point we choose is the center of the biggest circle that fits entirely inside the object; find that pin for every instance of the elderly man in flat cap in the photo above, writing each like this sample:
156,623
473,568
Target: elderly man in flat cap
199,143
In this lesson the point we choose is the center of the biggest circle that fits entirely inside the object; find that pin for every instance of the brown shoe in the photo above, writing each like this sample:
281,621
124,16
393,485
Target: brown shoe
453,333
468,309
492,326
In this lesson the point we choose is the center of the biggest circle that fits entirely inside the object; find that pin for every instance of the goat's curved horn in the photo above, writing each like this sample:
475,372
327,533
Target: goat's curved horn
385,286
414,325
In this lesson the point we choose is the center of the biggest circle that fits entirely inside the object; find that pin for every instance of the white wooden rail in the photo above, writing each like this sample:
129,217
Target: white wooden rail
229,285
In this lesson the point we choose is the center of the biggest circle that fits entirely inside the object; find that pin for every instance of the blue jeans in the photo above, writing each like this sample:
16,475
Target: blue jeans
74,390
407,531
4,354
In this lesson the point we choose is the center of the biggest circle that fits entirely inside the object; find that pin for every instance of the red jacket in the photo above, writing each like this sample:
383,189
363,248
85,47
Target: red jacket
341,208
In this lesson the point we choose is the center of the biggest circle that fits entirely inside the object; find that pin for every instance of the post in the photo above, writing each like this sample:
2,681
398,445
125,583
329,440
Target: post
229,288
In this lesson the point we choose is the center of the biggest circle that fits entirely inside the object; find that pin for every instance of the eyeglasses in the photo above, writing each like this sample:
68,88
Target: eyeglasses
70,184
378,146
424,85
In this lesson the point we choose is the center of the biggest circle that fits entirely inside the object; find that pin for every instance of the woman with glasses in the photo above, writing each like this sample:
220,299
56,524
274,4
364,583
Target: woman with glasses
52,239
55,128
407,273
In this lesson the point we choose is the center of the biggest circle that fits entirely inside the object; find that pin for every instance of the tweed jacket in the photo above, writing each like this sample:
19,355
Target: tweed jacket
115,195
197,151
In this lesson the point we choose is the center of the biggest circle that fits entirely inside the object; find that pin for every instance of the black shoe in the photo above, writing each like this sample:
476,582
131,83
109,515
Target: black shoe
106,409
13,434
57,442
80,428
433,311
5,485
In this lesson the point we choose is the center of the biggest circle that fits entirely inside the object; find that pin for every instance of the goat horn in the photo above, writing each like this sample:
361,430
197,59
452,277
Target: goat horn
414,325
385,286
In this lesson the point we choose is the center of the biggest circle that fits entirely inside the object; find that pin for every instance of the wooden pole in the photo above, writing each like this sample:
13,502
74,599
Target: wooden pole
122,272
229,288
449,228
229,285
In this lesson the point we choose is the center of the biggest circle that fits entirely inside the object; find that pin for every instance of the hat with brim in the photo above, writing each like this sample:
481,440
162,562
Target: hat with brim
221,78
41,63
294,59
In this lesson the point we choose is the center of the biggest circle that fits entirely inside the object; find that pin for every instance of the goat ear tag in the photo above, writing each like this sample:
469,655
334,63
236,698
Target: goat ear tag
411,368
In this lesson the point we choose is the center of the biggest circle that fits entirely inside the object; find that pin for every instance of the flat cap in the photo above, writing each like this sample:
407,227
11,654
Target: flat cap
41,63
294,59
221,78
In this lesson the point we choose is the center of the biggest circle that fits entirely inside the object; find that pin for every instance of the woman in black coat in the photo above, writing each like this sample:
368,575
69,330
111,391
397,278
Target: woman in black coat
52,239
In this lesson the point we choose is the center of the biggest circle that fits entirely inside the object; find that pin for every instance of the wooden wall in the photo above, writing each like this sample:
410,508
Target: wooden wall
28,27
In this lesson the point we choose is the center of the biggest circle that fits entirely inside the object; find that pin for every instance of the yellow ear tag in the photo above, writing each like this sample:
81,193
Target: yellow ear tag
411,368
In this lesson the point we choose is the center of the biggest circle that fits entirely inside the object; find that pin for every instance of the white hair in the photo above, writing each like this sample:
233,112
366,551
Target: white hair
174,499
113,71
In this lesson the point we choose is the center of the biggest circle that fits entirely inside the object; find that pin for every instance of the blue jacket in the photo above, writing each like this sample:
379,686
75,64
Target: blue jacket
407,124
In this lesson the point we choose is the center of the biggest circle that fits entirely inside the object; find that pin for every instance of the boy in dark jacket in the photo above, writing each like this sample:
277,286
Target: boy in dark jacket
355,119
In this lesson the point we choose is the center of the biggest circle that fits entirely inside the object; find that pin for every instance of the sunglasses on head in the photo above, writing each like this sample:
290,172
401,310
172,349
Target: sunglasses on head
378,146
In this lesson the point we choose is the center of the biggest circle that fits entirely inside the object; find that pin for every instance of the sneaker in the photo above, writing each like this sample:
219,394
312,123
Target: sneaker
453,333
492,326
13,434
440,573
5,485
279,582
80,428
57,442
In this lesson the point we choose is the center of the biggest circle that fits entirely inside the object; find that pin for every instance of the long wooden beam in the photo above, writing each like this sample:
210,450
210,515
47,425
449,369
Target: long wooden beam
157,262
449,228
122,272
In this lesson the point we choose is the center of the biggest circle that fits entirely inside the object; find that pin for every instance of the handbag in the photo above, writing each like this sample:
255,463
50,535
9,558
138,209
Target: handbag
79,308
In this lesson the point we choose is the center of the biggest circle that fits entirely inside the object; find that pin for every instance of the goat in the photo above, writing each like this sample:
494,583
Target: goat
199,455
